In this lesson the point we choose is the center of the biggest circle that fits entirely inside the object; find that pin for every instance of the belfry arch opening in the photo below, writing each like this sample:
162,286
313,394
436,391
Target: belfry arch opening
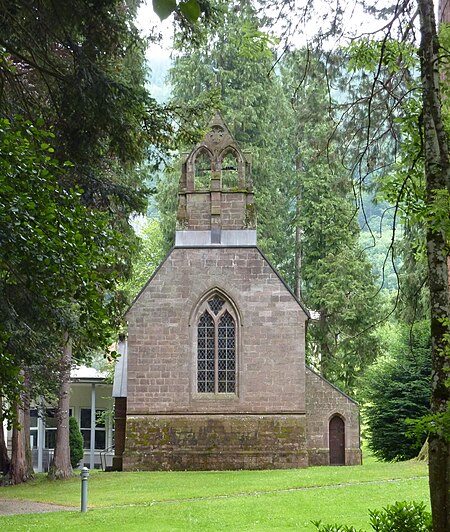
203,170
230,171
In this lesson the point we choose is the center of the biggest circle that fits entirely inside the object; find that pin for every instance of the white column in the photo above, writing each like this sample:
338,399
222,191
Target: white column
92,453
40,436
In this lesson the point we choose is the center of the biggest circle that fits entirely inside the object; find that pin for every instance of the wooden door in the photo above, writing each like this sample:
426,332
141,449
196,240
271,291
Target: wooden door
337,441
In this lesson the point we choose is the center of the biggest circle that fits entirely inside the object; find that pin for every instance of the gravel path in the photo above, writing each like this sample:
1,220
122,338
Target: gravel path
12,506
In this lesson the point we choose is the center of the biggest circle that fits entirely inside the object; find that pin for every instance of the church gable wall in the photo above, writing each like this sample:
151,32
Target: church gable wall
161,342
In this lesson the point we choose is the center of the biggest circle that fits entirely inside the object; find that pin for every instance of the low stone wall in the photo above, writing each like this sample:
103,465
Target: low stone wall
219,442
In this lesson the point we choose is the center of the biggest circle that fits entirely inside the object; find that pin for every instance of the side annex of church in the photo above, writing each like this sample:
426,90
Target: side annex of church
212,374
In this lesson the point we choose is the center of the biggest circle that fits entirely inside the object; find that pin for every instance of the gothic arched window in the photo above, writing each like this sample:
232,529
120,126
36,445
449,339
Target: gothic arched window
216,347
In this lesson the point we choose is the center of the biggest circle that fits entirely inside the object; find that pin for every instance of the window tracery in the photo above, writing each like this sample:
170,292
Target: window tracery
216,348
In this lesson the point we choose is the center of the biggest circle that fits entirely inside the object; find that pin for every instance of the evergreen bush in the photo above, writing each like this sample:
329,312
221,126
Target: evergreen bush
75,442
401,517
398,517
396,389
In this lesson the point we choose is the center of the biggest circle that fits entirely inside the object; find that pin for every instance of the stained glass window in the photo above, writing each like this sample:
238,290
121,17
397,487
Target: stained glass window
206,353
216,304
216,349
226,358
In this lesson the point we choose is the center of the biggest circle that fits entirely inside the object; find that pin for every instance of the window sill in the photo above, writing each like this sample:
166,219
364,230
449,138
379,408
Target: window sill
214,396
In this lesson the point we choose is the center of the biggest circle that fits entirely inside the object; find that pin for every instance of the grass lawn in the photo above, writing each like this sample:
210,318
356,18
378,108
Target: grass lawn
230,500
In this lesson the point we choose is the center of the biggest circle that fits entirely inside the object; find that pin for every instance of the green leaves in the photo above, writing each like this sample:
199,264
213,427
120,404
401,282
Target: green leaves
405,516
58,256
252,43
151,254
190,9
164,8
371,55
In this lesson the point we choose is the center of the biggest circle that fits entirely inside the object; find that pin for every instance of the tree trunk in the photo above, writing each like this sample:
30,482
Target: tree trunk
324,348
26,425
298,252
61,466
423,454
18,471
4,459
298,234
444,12
437,174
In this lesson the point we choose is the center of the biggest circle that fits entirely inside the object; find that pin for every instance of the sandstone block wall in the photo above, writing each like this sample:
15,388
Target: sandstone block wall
169,424
233,210
198,208
162,329
323,401
230,207
215,442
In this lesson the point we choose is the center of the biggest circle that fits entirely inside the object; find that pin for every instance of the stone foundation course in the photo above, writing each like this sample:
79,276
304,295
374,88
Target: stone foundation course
219,442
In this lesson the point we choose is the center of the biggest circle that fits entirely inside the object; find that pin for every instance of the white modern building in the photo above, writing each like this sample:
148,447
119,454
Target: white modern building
91,404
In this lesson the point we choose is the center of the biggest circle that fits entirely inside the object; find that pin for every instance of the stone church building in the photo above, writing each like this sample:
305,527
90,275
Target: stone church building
213,373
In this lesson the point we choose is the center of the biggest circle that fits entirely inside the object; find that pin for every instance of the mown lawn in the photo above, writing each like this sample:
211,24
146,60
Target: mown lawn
238,500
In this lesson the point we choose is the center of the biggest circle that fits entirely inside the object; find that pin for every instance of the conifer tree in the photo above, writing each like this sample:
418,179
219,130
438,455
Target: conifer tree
304,209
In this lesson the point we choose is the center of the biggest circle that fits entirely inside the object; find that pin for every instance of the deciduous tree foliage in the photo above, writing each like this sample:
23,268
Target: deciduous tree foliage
52,247
76,68
399,23
400,18
151,253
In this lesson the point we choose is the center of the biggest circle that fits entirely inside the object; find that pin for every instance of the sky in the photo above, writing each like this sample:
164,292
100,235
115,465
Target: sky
146,20
356,23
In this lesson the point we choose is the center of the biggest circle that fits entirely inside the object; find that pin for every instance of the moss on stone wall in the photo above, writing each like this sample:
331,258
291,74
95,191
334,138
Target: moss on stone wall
215,442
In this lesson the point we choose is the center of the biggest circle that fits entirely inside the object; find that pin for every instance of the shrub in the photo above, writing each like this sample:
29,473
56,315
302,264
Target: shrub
334,528
401,517
398,517
75,442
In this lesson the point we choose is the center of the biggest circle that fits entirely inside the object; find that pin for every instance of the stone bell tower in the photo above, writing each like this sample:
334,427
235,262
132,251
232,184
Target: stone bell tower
215,198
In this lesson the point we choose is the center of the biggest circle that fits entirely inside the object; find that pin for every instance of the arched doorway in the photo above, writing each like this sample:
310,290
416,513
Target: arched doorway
337,441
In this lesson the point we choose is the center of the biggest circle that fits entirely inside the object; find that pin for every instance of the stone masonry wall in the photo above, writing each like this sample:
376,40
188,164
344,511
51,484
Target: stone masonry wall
162,327
169,424
231,210
323,400
215,442
198,208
